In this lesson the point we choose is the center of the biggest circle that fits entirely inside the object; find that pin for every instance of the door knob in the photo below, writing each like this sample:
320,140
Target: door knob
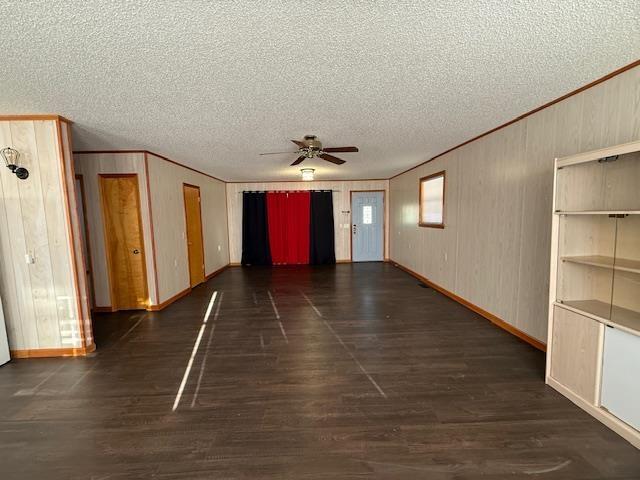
136,251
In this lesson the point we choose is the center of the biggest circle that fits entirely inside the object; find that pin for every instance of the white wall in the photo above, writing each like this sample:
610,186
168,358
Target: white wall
341,203
166,181
494,251
44,302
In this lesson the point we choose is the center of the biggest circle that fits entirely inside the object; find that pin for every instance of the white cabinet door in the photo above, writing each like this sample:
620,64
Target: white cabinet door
4,343
621,376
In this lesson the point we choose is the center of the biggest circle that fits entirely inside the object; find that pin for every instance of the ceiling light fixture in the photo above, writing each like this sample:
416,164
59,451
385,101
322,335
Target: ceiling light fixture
307,174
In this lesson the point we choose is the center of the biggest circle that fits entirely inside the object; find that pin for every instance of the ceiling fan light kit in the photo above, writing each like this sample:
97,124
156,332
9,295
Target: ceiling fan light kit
311,147
307,174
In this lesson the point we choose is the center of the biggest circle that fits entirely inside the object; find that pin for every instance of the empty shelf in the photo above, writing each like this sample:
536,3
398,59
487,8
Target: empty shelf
622,264
597,212
623,317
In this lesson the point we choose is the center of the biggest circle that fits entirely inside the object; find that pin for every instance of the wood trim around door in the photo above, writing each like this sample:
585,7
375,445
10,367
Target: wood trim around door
184,205
153,234
83,196
114,306
384,222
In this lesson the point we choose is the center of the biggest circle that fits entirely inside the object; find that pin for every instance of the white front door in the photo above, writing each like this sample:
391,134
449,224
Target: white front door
367,229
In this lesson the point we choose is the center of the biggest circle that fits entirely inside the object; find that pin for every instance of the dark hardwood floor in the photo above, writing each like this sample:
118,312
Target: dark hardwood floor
364,375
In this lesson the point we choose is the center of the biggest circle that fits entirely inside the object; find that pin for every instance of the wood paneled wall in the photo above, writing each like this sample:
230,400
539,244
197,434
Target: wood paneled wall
75,231
45,301
494,251
90,165
166,180
341,204
163,220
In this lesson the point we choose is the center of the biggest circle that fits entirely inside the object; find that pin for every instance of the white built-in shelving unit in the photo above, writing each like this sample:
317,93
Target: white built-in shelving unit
593,349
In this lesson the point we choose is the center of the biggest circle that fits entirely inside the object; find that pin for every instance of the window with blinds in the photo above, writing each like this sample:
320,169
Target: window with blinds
432,200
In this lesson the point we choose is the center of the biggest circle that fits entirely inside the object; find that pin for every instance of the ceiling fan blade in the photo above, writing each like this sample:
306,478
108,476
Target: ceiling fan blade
298,160
331,158
299,143
340,149
276,153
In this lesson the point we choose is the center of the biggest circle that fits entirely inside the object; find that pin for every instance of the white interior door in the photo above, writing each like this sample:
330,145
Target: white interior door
367,229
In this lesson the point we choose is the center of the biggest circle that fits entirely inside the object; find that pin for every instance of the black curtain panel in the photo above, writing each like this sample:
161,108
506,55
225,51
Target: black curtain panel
322,249
255,229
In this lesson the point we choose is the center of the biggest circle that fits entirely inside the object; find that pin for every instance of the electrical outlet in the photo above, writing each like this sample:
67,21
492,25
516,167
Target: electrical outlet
175,263
219,248
30,259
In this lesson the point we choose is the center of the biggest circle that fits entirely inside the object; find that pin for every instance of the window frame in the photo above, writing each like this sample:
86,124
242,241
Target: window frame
443,174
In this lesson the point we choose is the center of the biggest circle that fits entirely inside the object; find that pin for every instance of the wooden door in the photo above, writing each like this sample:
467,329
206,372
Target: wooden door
124,242
574,356
195,245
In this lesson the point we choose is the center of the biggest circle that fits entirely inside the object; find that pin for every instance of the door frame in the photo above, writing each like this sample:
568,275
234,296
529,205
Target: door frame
115,308
80,178
186,234
384,221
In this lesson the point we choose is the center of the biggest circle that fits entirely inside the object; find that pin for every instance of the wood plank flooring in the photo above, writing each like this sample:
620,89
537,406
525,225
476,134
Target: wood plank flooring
342,372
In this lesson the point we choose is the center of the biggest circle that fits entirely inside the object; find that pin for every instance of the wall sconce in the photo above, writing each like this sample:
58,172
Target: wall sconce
11,156
307,174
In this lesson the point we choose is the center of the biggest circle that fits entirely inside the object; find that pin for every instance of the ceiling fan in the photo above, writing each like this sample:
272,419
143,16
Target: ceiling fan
311,147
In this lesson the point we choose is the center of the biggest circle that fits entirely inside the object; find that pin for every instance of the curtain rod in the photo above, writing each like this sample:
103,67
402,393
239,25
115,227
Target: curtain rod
286,191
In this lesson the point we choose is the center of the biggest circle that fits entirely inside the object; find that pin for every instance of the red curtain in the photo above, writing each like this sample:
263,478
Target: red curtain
288,214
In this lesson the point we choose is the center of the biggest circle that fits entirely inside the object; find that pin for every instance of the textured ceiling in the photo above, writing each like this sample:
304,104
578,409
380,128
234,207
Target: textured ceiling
212,84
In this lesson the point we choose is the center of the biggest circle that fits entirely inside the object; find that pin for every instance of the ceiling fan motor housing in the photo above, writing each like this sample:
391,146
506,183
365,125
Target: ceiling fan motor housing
312,142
